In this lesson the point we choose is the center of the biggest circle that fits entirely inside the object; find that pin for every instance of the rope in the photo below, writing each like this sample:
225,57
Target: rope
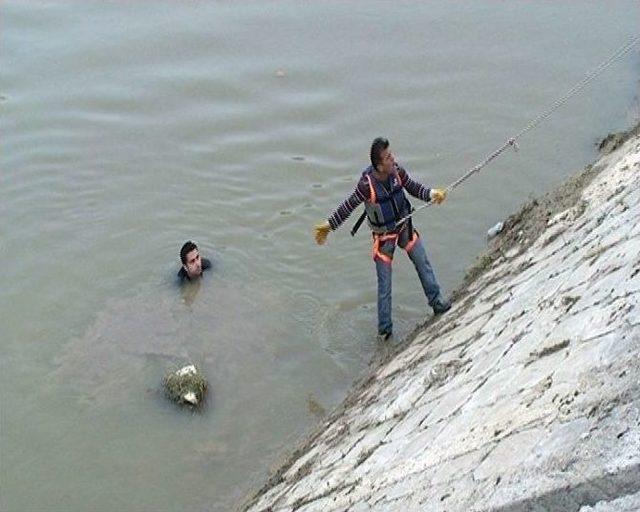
537,120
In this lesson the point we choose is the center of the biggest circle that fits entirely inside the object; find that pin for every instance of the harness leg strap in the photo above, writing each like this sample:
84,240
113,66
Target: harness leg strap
377,254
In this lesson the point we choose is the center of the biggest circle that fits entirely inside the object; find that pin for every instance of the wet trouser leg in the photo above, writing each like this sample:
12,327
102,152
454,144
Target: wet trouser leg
425,272
384,273
383,270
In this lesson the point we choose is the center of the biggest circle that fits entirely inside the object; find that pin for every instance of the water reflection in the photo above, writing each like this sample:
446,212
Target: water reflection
189,291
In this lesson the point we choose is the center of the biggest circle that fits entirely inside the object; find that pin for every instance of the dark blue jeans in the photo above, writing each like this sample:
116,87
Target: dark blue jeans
418,256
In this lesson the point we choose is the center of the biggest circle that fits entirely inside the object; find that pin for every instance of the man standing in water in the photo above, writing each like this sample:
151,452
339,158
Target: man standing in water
381,187
192,264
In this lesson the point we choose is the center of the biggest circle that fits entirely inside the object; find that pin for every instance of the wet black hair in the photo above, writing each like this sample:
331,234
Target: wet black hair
186,249
378,145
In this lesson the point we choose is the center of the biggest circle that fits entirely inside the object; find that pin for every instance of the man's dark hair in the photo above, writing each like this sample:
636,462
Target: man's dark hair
378,145
186,249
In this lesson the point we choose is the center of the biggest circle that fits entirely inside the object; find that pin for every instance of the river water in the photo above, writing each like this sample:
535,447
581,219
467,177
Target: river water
130,127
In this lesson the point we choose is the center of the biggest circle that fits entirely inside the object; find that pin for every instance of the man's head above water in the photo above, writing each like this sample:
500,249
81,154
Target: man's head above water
191,261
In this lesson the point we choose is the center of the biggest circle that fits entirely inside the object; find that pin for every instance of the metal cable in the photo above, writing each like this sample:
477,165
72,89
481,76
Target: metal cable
537,120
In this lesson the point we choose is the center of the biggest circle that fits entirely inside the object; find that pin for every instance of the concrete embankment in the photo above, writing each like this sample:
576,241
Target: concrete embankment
525,396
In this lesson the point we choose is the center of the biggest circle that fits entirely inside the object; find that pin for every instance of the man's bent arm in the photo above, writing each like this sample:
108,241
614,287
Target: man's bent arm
415,188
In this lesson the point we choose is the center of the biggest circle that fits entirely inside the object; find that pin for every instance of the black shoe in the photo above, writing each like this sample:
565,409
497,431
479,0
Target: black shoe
441,306
384,336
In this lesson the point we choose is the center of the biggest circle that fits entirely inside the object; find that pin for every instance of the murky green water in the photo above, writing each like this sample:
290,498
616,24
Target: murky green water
127,128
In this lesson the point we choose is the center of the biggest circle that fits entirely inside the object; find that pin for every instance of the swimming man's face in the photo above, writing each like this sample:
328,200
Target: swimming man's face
193,266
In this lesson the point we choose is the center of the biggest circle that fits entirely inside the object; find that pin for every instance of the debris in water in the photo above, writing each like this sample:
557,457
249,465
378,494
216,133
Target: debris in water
493,231
314,407
612,142
185,386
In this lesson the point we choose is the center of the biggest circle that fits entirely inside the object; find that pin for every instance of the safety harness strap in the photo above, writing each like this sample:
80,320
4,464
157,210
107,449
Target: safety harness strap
379,239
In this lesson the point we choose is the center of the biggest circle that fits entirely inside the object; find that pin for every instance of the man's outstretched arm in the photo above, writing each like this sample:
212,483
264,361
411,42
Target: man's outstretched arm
342,212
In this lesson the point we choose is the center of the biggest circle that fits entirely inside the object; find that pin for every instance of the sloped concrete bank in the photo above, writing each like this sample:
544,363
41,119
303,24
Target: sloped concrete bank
526,396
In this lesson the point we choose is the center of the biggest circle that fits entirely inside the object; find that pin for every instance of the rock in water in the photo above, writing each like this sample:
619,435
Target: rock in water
185,386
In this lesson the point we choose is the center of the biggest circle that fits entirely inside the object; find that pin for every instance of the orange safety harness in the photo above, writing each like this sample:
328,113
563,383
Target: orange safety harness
380,238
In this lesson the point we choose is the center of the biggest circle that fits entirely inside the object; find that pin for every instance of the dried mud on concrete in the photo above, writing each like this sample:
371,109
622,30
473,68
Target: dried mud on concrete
433,423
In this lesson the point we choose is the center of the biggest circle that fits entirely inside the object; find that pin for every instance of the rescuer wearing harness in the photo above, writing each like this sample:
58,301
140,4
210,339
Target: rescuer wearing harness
381,188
